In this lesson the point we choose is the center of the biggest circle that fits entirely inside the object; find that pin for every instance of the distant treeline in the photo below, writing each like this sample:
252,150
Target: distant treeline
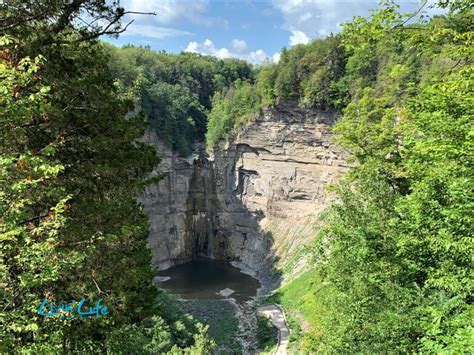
174,90
312,75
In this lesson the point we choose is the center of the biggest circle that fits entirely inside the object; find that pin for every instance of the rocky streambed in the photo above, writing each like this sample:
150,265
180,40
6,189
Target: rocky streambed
221,296
232,324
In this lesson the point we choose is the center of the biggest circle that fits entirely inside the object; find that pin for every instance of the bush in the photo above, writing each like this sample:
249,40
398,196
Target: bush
267,334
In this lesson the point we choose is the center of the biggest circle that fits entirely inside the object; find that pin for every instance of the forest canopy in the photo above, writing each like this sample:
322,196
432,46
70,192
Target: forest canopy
174,90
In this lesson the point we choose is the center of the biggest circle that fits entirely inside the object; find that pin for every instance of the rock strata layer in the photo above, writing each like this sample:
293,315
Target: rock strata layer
253,200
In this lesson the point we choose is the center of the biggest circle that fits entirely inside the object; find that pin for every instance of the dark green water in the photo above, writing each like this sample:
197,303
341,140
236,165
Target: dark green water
204,278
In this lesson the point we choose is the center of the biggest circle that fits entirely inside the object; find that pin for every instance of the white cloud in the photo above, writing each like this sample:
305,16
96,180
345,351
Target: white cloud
257,56
208,48
298,37
276,57
169,11
319,18
239,45
305,17
153,31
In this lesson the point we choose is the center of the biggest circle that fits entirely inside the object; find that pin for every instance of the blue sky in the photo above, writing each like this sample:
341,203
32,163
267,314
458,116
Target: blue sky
248,29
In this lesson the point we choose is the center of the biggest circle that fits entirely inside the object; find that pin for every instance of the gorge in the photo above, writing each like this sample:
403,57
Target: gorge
252,201
187,154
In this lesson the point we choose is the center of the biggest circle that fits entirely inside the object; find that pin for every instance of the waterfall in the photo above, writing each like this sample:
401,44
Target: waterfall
202,207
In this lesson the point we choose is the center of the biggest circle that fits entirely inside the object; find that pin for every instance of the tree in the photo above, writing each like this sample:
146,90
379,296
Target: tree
401,248
174,90
239,104
71,170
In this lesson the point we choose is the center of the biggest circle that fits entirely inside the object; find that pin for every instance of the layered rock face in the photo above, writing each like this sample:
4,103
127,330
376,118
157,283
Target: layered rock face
165,203
254,200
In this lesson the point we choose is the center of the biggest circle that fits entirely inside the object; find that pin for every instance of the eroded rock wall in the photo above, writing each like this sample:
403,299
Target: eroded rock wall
166,204
272,176
254,200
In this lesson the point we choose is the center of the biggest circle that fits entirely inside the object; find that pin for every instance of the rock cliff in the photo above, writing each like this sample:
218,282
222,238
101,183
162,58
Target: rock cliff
253,201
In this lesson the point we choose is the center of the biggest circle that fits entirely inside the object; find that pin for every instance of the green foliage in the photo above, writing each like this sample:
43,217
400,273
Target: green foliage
71,169
307,75
267,335
173,331
174,91
398,276
68,199
175,106
315,70
300,300
230,110
26,246
220,317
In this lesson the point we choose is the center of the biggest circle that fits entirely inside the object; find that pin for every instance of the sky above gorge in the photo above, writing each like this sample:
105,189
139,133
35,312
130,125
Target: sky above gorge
252,30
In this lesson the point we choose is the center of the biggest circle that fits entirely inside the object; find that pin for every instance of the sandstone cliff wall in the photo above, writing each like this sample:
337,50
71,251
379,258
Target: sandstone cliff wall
253,201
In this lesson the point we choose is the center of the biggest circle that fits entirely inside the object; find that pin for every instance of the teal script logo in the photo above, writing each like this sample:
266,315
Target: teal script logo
74,309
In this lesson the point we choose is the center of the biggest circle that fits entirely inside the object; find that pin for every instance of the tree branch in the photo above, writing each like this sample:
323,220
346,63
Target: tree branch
103,32
25,221
412,16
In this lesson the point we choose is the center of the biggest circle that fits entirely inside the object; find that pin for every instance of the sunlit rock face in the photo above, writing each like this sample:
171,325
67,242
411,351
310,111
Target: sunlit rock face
253,200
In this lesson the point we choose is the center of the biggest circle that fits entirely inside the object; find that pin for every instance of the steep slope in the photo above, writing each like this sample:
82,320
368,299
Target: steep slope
253,200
